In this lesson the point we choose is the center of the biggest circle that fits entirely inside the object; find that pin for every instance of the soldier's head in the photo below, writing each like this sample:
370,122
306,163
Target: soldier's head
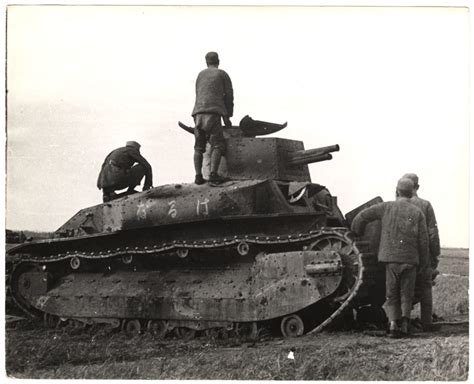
405,187
212,59
413,177
133,144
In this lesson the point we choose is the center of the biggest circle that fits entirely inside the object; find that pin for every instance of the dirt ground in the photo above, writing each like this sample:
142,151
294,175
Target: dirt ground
33,351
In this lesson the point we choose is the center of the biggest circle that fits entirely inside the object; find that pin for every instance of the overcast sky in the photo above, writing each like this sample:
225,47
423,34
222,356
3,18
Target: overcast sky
389,85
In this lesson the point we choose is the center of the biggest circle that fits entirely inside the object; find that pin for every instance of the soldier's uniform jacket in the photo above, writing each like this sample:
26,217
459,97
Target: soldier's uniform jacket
214,93
433,235
117,165
404,236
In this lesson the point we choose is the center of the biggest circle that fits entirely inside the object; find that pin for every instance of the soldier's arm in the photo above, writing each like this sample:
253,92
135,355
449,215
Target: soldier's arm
423,244
433,235
228,95
375,212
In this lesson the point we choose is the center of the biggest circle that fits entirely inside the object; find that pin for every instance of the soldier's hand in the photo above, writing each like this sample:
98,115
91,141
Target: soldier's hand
227,122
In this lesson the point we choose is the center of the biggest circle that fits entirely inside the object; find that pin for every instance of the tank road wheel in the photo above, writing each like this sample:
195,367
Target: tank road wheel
132,327
75,263
184,333
292,326
247,331
76,324
157,328
216,333
50,321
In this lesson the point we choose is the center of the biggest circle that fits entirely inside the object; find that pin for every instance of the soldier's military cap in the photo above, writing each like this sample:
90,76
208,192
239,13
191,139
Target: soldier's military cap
133,144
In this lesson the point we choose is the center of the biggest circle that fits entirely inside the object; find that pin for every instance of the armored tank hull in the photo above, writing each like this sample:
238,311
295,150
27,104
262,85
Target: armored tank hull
266,250
194,258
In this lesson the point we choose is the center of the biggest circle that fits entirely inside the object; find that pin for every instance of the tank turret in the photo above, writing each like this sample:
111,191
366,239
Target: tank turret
251,157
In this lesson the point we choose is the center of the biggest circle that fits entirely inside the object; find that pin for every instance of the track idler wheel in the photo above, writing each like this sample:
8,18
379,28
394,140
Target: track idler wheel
132,327
292,326
184,333
157,328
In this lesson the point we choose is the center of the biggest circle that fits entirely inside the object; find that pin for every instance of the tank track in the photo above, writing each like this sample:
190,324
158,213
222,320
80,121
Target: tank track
366,262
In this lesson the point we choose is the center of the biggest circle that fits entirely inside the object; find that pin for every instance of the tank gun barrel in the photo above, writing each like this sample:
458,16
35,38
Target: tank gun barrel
313,155
309,159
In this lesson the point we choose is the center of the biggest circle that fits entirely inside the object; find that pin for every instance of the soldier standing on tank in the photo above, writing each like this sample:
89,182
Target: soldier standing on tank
214,100
403,247
424,282
124,167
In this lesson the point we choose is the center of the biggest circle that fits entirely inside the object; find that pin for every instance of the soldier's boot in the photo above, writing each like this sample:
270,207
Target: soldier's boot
131,190
394,330
404,326
199,180
214,178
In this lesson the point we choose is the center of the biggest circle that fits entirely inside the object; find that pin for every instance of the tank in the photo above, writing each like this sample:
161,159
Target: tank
266,251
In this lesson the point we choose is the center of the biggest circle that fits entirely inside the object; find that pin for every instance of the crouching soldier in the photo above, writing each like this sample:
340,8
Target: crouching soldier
403,246
124,167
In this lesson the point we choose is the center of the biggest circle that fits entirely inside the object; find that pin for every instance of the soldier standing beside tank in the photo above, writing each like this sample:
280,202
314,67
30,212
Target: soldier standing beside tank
403,247
214,99
424,282
118,171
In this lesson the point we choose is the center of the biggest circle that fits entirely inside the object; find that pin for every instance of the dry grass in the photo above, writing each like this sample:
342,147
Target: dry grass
33,352
328,356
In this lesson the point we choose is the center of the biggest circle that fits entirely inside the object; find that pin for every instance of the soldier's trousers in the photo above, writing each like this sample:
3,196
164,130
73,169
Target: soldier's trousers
127,178
400,289
424,294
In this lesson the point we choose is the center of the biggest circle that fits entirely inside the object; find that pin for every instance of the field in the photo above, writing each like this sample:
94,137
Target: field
36,352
